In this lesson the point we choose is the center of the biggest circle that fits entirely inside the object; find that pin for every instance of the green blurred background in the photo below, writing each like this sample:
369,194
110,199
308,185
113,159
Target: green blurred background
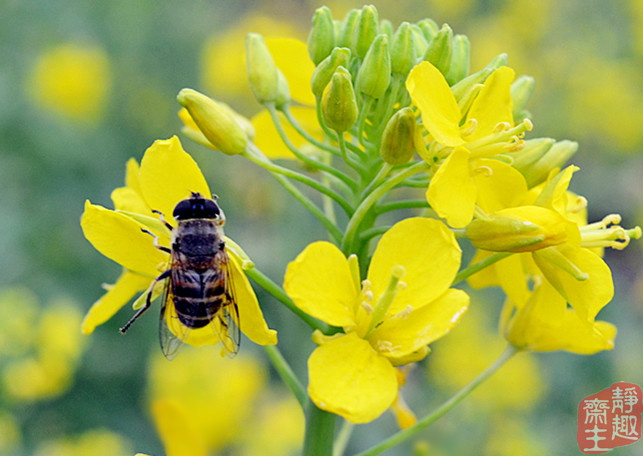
84,86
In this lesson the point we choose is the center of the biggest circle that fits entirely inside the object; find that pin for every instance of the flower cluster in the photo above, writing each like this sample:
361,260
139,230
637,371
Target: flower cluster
379,121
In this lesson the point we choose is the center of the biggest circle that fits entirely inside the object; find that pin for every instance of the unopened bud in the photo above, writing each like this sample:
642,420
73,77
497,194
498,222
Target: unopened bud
219,127
440,49
366,31
419,41
321,38
374,74
459,67
386,27
402,50
262,71
521,90
429,29
479,77
339,106
398,138
283,91
326,68
521,229
532,151
349,28
555,157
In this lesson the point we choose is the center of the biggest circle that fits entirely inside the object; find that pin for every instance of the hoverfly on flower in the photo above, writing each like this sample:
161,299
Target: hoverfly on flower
198,289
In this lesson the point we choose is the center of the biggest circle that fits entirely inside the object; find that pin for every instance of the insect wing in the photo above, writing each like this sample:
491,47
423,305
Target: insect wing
226,322
170,342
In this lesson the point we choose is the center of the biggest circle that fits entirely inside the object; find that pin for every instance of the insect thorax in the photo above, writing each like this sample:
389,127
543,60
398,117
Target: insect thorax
197,240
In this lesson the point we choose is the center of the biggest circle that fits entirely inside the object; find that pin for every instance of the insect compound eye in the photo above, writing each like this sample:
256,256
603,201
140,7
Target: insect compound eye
196,207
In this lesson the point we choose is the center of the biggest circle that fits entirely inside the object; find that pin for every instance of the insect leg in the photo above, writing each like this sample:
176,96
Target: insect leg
156,241
162,219
148,301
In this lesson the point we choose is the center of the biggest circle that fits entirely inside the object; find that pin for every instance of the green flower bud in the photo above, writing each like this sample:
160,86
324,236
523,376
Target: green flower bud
440,49
339,106
326,69
429,29
521,90
479,77
459,67
419,41
555,157
349,29
531,152
374,74
366,31
217,125
262,71
397,145
321,38
386,27
402,50
283,91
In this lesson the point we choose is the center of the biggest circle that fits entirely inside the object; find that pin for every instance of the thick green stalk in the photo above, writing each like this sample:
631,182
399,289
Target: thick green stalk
406,434
320,431
287,375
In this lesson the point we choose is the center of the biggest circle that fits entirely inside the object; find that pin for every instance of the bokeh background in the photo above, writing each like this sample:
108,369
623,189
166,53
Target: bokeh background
84,86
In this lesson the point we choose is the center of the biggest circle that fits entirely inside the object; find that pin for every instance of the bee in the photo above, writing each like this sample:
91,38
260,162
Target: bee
198,288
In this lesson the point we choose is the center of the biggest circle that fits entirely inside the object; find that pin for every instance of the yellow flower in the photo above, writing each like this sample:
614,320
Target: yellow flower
166,176
545,323
97,442
198,411
459,152
72,80
386,322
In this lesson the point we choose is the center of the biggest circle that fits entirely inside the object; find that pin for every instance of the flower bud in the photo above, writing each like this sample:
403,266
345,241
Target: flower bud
440,49
402,50
283,91
366,30
555,157
520,229
479,77
217,125
521,90
397,145
386,27
531,152
321,38
349,28
459,67
429,29
326,69
374,74
339,107
419,41
262,71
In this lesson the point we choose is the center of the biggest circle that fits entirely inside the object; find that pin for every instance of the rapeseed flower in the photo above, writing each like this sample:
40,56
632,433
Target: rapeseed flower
167,175
386,322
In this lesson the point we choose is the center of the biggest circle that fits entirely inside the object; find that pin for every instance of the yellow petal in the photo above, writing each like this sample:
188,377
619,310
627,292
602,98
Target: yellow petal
177,430
252,322
269,141
440,113
452,192
127,285
291,57
120,238
131,175
499,187
587,297
513,278
488,277
403,334
319,281
168,175
493,104
430,255
127,199
348,378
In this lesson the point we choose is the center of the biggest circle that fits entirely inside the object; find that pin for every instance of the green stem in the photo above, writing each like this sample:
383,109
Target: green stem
320,430
343,437
278,293
372,232
357,166
253,154
405,204
406,434
287,375
363,209
274,115
479,266
304,134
